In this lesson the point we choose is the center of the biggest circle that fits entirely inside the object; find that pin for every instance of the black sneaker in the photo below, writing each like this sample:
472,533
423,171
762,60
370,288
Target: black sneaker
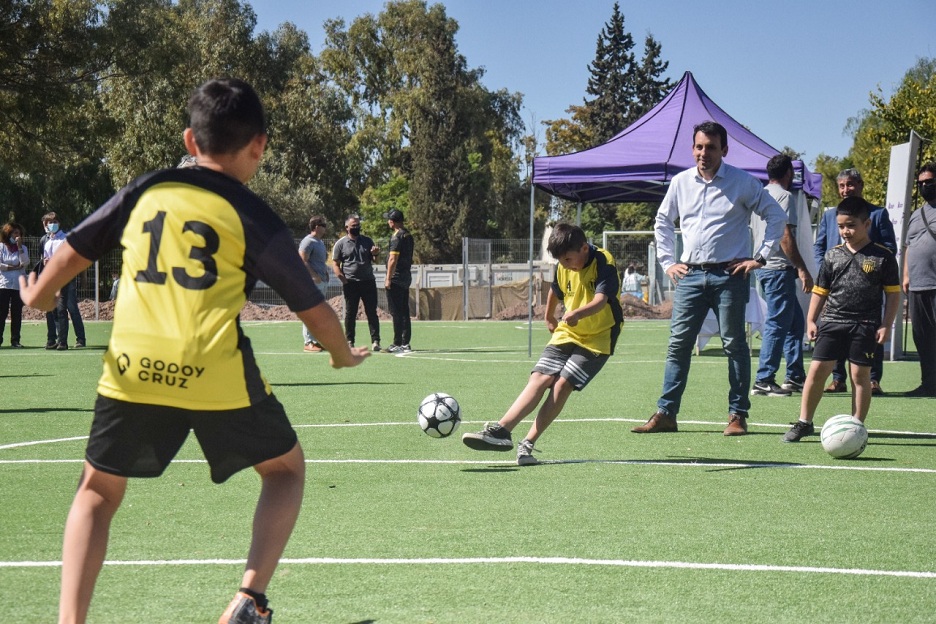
16,345
50,346
492,438
79,344
792,385
798,431
61,347
769,388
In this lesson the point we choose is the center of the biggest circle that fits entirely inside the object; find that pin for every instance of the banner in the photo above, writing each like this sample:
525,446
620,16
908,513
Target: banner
900,180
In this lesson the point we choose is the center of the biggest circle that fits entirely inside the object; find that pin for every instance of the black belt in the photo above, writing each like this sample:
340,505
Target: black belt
709,266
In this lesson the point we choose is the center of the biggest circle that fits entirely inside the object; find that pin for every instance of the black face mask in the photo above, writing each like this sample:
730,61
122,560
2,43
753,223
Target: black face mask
355,231
928,192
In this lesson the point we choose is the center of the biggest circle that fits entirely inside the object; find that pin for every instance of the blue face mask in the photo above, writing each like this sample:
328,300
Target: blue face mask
53,228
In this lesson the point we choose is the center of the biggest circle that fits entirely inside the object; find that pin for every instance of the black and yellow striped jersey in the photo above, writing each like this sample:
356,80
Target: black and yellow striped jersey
195,242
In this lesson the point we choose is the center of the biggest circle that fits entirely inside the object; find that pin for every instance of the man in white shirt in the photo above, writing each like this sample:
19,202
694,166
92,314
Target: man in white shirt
713,203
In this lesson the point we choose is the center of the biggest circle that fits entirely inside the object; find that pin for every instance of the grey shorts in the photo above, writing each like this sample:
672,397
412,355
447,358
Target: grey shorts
573,363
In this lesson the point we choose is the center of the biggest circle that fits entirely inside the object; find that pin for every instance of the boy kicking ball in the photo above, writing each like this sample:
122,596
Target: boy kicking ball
587,284
845,313
195,241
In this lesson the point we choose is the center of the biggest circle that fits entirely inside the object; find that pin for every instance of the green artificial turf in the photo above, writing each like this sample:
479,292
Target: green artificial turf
398,527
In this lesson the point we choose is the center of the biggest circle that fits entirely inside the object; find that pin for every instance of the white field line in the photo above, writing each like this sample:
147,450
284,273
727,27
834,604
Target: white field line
620,563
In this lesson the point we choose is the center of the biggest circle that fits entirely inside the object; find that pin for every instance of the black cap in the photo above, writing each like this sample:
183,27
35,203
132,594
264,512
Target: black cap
394,215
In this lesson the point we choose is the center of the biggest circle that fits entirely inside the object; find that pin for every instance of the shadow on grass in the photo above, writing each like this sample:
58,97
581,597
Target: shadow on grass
488,469
881,438
717,465
312,384
46,410
30,375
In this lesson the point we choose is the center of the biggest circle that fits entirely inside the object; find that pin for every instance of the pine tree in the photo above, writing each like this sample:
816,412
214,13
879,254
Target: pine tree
611,82
650,87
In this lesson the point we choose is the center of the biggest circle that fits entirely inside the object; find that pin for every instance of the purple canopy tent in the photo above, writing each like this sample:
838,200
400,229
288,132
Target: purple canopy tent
638,163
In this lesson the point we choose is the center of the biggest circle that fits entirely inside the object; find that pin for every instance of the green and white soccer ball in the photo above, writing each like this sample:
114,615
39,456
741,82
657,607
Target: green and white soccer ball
844,437
439,415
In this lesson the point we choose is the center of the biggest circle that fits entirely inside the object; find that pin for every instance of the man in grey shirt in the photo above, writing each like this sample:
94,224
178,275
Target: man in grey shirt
919,280
782,334
354,255
315,257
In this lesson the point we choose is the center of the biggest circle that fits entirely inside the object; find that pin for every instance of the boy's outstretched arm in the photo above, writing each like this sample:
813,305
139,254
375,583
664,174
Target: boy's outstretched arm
62,268
323,323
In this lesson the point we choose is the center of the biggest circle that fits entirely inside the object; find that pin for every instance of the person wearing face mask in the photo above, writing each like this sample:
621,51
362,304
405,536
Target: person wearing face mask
353,258
919,280
57,321
14,258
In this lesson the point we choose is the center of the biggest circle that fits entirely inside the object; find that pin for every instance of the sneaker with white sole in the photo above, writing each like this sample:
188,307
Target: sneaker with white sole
394,349
525,454
769,388
375,346
244,610
492,438
792,385
798,431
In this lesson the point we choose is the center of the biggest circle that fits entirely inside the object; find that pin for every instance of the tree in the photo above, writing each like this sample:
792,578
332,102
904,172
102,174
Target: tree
889,121
612,80
623,90
421,113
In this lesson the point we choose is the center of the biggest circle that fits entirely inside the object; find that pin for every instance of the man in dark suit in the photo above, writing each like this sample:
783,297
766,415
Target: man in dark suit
851,184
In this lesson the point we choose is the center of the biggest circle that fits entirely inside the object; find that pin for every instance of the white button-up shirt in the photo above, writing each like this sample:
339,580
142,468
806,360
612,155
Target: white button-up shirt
715,217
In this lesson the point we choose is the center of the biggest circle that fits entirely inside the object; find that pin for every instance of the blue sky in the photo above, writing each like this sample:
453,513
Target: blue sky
794,76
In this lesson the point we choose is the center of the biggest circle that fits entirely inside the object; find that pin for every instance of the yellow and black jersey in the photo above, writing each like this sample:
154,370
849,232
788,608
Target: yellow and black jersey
598,332
854,282
195,242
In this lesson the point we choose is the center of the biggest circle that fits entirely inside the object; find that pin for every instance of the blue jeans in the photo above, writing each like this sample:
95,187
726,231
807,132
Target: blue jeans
307,336
697,293
68,306
782,334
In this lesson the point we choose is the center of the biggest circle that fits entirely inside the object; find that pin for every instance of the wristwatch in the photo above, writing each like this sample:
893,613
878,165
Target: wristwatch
759,259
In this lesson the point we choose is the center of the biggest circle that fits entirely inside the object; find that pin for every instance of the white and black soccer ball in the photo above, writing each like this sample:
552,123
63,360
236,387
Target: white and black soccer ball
844,437
439,415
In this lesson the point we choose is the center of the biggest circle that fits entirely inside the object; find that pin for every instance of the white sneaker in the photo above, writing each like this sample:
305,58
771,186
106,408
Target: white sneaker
525,454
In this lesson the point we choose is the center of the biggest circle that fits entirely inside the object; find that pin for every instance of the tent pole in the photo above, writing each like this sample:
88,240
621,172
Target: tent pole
530,295
578,215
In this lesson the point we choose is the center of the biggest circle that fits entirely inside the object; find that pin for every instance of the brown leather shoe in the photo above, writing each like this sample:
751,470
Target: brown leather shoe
658,423
737,425
836,387
876,389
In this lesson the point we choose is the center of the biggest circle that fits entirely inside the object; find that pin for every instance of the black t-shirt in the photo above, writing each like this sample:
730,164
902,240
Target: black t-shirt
401,244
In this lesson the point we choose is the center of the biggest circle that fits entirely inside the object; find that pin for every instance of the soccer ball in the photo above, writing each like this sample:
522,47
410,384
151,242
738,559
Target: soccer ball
439,415
844,437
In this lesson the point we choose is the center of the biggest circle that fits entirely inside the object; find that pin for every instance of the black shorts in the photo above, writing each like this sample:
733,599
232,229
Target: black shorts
855,341
140,440
573,363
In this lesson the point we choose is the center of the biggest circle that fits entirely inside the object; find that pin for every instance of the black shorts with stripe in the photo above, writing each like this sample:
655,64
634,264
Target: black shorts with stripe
573,363
140,440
